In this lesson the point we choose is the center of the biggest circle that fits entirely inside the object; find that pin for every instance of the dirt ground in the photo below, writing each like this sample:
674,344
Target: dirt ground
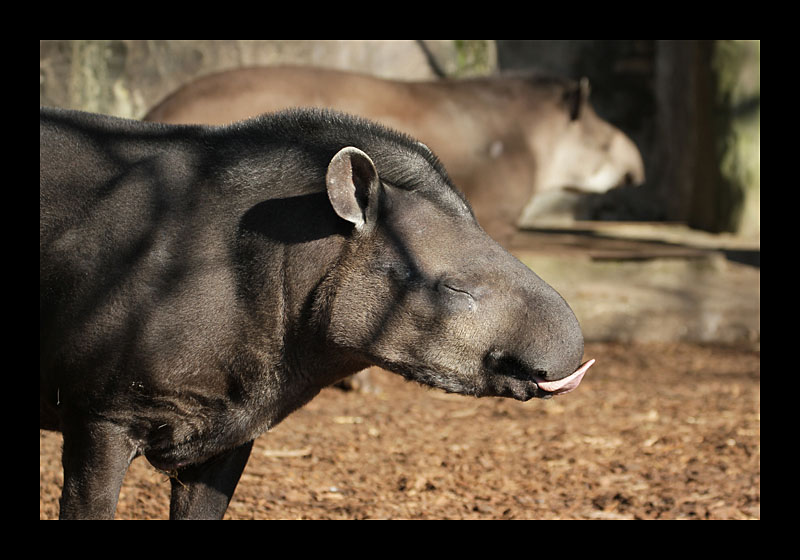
655,431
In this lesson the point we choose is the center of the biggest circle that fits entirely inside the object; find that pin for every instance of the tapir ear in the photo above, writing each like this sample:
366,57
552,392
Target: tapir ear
352,181
577,97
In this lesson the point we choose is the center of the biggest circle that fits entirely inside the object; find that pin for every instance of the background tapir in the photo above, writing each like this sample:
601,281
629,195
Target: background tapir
502,138
198,284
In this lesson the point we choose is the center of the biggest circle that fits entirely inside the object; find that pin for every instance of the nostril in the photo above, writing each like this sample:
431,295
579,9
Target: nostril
499,362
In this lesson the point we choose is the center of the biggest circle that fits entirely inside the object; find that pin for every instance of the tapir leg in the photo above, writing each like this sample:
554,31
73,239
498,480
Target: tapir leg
95,457
203,491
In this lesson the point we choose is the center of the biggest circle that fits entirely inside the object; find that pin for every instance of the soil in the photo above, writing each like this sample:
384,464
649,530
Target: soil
655,431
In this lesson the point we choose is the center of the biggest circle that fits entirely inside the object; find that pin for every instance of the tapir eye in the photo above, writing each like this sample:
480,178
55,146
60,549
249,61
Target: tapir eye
455,297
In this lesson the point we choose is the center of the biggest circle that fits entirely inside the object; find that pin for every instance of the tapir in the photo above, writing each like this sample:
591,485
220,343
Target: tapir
197,284
521,147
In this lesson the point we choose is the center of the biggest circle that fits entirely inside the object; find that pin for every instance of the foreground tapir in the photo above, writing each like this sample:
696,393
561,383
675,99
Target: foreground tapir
501,138
198,284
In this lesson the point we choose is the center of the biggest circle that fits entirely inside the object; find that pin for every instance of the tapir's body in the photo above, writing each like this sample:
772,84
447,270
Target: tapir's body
501,138
198,284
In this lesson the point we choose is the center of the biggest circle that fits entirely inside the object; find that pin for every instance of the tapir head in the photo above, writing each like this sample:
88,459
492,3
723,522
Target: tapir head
423,291
585,152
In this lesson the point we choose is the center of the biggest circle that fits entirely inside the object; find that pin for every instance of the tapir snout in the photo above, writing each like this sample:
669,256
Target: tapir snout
537,339
492,326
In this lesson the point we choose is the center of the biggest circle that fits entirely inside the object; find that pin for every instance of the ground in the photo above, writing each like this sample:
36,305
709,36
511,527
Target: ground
655,431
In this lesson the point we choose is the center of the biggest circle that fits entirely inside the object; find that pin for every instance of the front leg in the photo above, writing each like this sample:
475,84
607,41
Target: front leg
203,491
95,458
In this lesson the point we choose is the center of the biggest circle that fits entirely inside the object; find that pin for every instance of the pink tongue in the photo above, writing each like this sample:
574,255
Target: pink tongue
566,384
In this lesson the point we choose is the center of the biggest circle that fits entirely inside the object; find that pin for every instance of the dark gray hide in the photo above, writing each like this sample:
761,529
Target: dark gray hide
198,284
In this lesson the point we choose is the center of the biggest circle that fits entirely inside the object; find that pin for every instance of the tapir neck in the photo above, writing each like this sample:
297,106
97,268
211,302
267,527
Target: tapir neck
282,280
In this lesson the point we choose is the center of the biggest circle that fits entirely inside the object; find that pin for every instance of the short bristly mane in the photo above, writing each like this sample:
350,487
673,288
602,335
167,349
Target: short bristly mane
325,129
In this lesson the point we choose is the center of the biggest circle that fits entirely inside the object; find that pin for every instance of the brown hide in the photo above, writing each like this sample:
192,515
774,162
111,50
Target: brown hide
502,139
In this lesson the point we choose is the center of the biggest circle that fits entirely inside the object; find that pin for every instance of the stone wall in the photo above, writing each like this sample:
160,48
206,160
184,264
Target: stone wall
126,77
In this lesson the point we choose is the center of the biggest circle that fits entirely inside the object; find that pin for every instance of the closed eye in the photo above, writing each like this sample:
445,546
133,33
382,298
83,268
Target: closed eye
453,288
459,297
